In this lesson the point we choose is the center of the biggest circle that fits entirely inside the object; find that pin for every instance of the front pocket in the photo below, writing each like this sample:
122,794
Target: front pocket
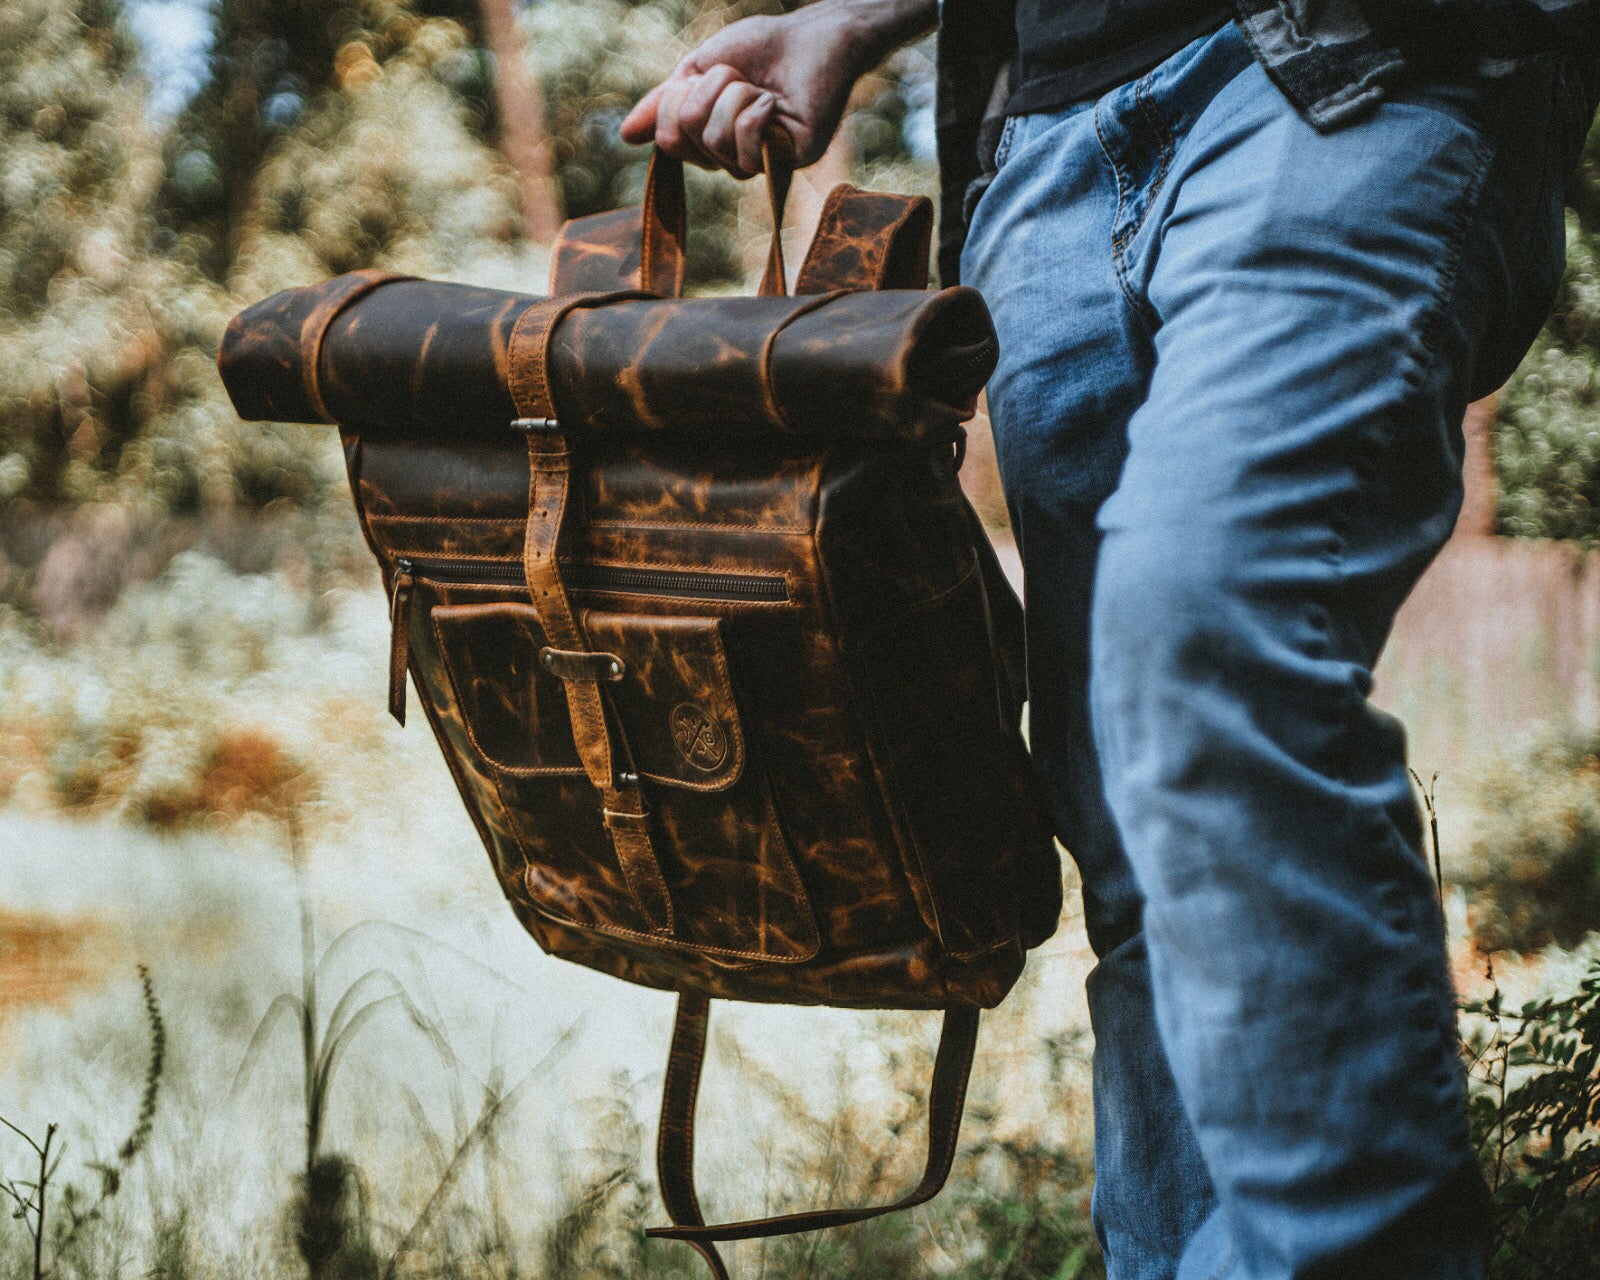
516,721
715,832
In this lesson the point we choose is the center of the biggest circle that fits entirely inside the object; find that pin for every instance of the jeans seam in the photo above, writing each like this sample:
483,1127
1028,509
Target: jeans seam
1163,133
1444,289
1002,150
1121,238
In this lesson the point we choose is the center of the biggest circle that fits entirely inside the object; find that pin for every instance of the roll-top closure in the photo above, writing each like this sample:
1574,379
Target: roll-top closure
385,355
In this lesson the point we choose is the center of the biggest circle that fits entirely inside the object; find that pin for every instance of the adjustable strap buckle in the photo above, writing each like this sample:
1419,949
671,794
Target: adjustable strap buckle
536,426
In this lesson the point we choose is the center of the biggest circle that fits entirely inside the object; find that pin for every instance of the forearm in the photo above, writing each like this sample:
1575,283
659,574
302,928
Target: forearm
879,27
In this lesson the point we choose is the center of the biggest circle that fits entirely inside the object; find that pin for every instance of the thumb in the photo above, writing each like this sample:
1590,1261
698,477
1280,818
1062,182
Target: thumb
640,124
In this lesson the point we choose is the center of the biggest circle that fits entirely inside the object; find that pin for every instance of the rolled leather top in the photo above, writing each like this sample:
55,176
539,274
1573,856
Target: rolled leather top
394,355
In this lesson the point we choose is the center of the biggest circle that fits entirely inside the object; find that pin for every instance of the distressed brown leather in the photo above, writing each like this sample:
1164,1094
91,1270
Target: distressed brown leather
864,240
723,666
423,358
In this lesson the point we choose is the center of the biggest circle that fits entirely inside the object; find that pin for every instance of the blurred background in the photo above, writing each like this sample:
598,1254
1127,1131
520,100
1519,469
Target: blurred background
262,1010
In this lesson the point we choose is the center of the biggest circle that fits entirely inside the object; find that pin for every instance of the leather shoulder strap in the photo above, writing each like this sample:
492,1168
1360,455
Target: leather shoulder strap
675,1142
868,240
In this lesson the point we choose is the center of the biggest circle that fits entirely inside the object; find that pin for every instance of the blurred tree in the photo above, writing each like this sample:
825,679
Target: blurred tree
328,137
1547,439
92,314
286,74
524,135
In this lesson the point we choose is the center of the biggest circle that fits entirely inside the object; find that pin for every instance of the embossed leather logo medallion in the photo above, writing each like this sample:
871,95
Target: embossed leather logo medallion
698,737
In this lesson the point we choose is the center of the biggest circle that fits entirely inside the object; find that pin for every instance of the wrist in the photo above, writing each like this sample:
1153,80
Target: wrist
873,29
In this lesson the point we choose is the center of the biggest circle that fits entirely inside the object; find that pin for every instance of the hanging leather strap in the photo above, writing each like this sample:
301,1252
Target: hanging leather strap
675,1134
675,1143
597,733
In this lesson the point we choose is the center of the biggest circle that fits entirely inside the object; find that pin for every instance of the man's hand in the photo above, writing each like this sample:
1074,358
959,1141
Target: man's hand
793,72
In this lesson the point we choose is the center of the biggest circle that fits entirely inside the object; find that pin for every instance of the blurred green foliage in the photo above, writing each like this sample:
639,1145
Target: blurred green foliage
1534,1108
1547,437
325,137
1535,862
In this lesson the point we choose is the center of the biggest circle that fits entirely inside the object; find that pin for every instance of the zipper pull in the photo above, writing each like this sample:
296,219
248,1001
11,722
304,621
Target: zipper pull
399,640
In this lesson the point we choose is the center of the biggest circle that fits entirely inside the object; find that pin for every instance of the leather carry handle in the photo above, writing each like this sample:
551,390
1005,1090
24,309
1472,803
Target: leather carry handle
666,225
864,240
675,1141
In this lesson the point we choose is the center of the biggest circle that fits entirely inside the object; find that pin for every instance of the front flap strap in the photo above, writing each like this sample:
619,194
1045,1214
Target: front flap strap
675,1145
596,734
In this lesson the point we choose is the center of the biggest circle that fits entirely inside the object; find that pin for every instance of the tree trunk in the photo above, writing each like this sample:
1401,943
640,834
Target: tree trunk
524,140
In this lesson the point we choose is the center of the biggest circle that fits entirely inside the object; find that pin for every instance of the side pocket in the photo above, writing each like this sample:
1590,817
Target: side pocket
948,765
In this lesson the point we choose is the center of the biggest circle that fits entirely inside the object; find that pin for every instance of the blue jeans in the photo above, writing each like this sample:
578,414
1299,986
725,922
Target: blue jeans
1236,353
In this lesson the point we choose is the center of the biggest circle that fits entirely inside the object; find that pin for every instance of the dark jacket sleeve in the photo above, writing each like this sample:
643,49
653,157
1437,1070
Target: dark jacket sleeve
1464,33
976,39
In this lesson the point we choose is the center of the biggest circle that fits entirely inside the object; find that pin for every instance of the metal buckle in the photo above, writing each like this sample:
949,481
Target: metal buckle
535,426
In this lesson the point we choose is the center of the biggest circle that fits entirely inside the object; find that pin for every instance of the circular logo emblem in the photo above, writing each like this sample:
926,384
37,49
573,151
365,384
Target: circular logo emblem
698,737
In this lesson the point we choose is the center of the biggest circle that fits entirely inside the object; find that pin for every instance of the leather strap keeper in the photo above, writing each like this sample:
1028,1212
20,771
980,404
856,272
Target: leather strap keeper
567,664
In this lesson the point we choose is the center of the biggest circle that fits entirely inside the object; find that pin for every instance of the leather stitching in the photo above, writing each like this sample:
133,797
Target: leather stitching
677,944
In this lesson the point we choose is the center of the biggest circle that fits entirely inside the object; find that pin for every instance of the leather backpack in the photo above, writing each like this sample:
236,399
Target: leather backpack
720,657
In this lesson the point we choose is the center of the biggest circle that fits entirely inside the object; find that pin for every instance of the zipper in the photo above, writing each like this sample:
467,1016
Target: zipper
676,583
683,584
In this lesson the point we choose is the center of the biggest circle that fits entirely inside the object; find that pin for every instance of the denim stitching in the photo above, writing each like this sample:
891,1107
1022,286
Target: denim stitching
1002,149
1122,237
1444,290
1119,238
1163,133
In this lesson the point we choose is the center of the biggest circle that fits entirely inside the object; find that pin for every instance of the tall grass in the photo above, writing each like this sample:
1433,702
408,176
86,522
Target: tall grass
54,1229
394,1117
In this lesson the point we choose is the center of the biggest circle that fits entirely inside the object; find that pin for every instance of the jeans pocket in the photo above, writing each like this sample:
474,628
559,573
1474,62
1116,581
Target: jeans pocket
1002,147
